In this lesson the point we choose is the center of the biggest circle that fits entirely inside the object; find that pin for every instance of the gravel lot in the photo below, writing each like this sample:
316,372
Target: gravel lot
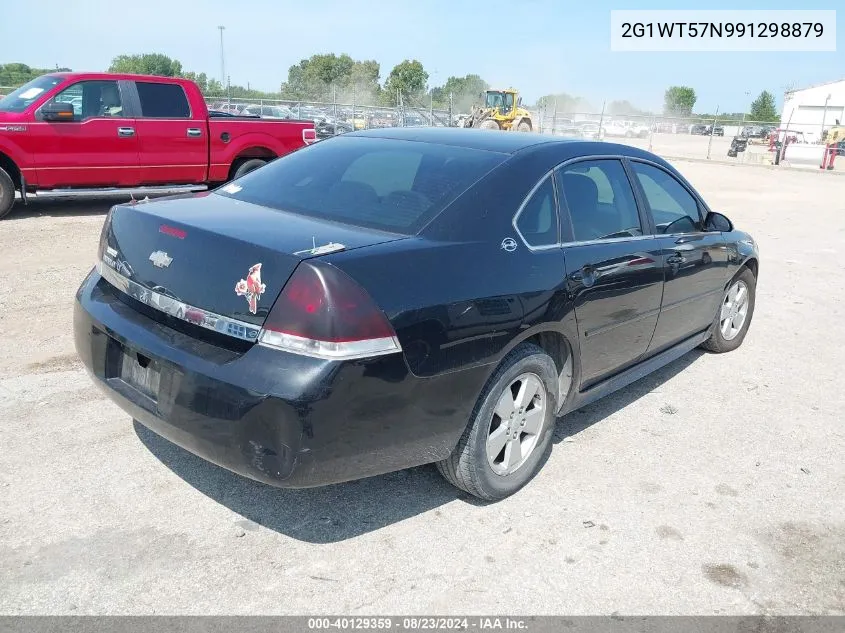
713,486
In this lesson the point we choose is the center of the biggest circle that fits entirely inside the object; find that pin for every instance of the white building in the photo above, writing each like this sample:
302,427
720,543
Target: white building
812,109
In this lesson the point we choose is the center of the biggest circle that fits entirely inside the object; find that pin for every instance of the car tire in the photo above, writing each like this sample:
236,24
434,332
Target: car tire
7,193
248,166
726,334
491,478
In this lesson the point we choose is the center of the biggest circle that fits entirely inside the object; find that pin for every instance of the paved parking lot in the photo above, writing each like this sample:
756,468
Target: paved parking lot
712,486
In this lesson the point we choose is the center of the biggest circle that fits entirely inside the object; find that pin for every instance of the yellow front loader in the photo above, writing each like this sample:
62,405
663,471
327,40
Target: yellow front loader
502,110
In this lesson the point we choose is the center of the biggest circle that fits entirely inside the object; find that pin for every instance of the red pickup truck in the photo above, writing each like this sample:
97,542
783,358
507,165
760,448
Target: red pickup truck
66,134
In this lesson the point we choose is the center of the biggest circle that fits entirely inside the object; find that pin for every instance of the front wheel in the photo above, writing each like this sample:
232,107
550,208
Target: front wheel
734,315
7,193
489,124
523,126
510,431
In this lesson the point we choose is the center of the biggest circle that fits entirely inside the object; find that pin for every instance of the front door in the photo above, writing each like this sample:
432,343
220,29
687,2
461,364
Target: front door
614,268
695,261
173,139
98,148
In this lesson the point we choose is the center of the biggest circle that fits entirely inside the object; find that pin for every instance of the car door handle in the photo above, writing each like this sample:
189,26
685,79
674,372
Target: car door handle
126,131
194,132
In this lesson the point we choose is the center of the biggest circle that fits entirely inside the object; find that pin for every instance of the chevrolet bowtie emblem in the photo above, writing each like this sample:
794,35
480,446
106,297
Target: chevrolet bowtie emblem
160,259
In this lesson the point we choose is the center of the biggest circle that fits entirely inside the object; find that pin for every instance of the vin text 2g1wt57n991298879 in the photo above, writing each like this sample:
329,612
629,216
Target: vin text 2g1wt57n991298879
391,298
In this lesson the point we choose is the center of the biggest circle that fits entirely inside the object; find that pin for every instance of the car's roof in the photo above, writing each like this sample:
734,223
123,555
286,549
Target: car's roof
489,140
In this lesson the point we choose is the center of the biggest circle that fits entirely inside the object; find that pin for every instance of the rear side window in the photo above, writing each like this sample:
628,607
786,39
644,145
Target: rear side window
537,221
163,101
385,184
600,200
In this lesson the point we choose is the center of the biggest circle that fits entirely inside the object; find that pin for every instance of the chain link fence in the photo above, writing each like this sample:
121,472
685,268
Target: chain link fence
343,116
672,137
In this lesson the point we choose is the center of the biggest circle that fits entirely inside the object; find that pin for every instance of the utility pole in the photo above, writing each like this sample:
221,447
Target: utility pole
824,114
712,129
601,119
222,57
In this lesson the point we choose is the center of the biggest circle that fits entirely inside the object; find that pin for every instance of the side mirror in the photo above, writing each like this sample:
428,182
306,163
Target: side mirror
519,101
718,222
56,111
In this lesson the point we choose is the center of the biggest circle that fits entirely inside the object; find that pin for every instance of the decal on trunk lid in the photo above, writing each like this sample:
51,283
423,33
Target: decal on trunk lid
251,287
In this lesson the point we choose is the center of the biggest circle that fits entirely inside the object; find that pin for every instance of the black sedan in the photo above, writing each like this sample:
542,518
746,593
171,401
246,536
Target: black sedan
390,298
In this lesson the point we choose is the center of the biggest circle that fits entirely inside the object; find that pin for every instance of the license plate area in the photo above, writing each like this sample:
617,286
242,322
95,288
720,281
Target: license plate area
141,373
129,369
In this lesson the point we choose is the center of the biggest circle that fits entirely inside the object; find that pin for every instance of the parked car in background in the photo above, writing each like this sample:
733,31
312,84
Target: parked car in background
269,111
463,290
327,130
718,130
72,134
699,129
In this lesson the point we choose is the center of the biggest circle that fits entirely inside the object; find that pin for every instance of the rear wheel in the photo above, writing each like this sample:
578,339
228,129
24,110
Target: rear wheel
247,166
510,432
489,124
734,315
524,126
7,193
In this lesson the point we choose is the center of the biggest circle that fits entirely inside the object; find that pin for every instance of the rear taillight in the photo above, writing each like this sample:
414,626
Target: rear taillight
322,312
309,135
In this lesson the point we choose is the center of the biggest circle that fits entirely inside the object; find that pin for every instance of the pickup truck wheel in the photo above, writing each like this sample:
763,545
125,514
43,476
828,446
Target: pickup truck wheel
248,166
510,431
7,193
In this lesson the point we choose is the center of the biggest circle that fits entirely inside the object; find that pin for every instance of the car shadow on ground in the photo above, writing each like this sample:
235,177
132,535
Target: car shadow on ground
59,207
342,511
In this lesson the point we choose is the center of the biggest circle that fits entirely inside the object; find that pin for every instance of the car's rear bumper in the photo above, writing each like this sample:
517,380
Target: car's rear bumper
283,419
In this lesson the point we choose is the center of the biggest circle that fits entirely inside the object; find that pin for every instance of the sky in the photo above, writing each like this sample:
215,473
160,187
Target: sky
538,46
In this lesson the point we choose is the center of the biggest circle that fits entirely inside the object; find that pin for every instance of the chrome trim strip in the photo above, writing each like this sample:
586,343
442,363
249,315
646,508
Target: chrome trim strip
117,192
525,201
179,309
609,240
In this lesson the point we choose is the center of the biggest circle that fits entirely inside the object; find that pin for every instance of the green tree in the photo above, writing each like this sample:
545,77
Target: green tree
408,78
624,108
146,64
319,77
679,101
566,103
17,74
200,79
763,108
465,92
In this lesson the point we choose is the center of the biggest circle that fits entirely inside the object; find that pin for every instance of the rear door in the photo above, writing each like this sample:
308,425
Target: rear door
614,268
695,261
98,148
173,139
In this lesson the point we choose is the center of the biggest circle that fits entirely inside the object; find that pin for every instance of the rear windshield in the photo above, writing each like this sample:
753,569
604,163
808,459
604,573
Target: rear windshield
385,184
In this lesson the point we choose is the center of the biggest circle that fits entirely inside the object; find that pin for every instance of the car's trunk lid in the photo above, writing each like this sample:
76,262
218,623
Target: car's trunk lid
203,251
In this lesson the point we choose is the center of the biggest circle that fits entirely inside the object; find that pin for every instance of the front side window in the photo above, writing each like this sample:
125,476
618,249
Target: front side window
390,185
673,208
600,200
537,221
163,101
92,99
20,99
